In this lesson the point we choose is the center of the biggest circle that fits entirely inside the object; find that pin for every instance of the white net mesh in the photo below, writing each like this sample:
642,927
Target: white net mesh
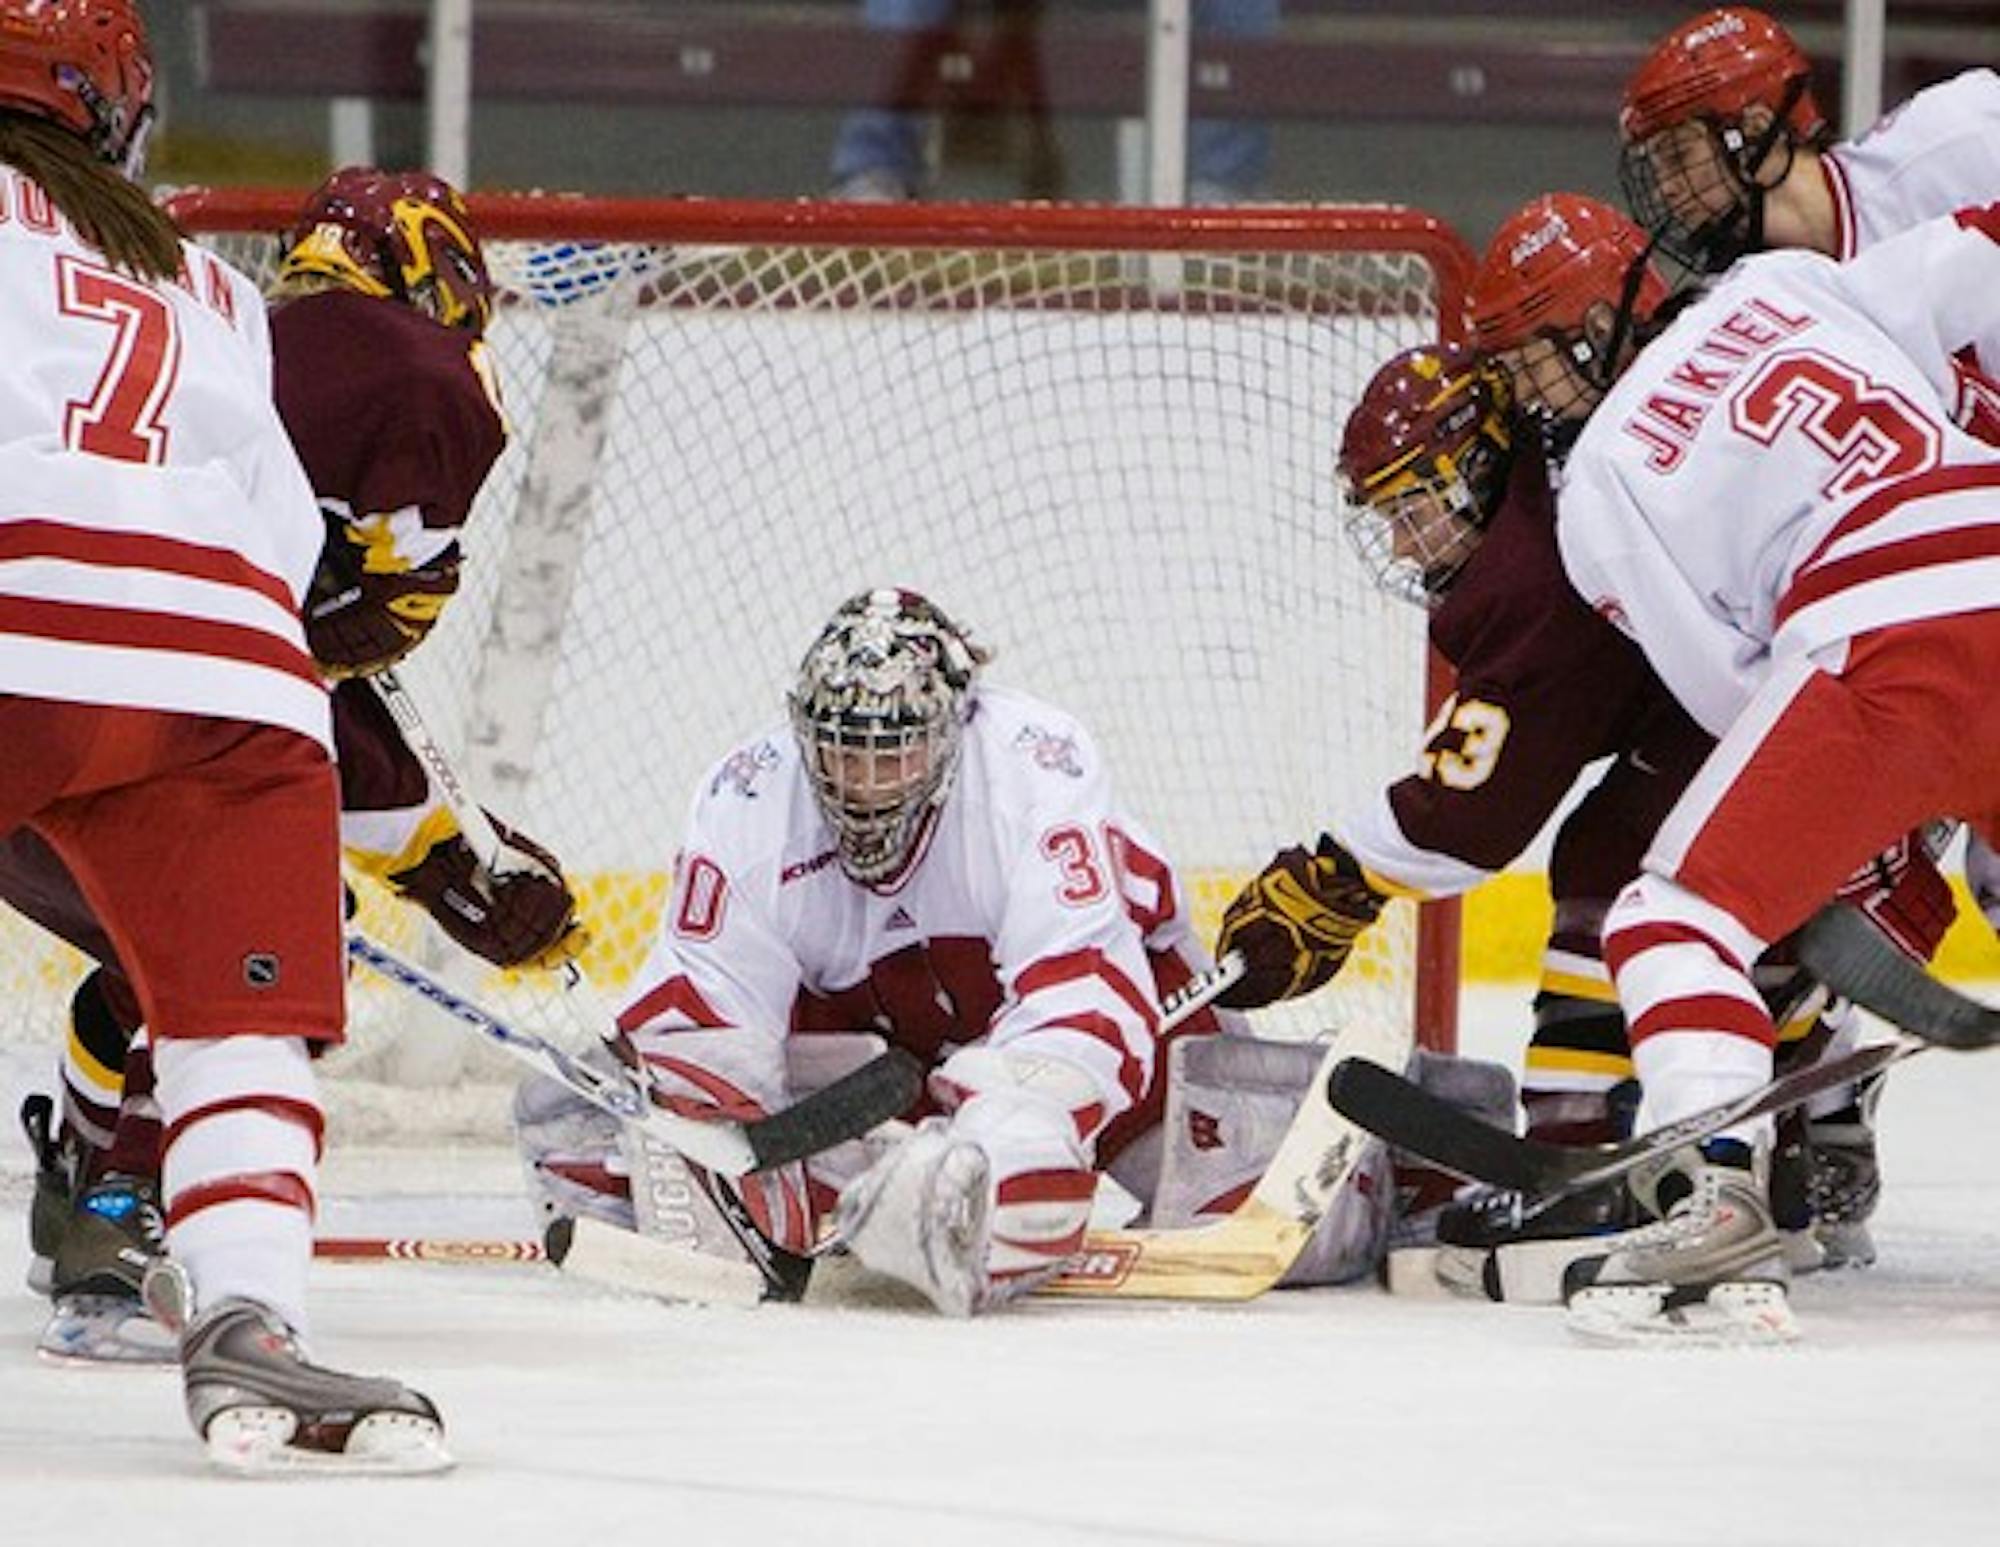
1115,464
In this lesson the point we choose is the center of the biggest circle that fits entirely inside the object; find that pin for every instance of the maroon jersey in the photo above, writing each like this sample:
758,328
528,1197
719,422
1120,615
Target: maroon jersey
1544,687
388,409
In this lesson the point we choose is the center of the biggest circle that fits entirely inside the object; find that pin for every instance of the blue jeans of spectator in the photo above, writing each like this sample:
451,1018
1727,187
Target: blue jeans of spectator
1229,155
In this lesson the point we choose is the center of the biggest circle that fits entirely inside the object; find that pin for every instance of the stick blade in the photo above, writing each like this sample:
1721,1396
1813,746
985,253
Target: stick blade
884,1087
1410,1117
1847,953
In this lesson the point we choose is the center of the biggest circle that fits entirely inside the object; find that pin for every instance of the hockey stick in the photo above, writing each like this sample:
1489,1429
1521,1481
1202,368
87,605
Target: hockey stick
474,825
1847,952
1412,1118
1231,1259
880,1089
655,1154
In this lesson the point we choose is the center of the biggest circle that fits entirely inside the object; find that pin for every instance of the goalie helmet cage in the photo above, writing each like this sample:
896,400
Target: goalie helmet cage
1104,438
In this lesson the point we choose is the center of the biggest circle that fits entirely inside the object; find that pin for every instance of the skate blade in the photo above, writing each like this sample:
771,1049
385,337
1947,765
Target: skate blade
1737,1314
106,1332
257,1442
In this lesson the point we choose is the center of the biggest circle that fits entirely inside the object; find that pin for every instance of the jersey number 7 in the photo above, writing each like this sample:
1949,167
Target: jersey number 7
124,416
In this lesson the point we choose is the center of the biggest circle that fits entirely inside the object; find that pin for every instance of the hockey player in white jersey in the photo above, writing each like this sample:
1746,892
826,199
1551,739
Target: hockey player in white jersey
942,862
1726,151
1772,501
157,702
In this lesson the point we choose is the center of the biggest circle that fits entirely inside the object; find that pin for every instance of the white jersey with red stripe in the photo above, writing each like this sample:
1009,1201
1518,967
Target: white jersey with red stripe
156,530
1777,473
1025,919
1934,154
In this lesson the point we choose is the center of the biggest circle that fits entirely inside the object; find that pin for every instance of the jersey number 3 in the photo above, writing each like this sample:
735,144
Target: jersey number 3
1871,431
123,418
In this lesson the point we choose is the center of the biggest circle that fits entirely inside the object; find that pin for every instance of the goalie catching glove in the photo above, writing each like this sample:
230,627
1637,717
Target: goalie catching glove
368,608
1296,922
522,917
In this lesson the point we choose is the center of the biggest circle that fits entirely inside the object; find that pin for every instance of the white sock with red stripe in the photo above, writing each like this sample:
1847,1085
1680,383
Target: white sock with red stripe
1700,1031
241,1157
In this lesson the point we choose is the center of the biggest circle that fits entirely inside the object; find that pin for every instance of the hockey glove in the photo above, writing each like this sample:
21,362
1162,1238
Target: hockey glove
520,918
1296,922
1906,895
366,610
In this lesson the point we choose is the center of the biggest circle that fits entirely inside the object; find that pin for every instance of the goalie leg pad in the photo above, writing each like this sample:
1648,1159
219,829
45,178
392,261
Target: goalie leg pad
977,1210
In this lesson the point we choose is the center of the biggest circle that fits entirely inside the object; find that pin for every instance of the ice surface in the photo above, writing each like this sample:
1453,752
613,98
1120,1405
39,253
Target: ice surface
1326,1417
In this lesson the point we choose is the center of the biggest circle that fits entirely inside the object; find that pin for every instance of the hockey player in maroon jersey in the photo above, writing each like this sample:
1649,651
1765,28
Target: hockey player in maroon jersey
1449,500
393,411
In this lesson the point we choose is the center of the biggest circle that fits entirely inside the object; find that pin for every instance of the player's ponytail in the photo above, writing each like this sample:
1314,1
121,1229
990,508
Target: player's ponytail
110,211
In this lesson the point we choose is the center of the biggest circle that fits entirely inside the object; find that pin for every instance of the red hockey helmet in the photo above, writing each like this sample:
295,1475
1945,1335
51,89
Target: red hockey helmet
1423,461
86,65
403,235
1556,298
1694,170
1714,67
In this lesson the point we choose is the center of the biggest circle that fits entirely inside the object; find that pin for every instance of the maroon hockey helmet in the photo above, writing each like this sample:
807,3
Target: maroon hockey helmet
1423,463
1696,161
84,64
407,236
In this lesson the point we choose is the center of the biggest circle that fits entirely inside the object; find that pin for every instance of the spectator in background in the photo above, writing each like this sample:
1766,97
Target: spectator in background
879,154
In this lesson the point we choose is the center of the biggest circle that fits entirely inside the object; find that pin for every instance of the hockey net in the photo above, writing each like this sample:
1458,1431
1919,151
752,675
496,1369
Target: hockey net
1103,438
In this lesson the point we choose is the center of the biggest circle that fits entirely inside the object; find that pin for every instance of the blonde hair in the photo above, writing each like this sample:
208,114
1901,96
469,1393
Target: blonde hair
110,211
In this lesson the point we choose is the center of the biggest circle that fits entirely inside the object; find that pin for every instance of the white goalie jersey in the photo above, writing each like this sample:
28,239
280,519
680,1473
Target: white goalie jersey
1035,914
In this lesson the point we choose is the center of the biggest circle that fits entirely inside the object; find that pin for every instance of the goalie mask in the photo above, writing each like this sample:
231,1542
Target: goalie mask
1423,463
405,236
879,710
84,64
1558,302
1710,121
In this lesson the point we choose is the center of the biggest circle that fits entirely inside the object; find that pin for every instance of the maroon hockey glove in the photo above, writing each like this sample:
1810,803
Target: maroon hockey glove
1296,922
360,621
523,918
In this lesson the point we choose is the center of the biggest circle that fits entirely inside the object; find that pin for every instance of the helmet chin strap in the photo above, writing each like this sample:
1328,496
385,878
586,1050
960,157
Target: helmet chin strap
1727,245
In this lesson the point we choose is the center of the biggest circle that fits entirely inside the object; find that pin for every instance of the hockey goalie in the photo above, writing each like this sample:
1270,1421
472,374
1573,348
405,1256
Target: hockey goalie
928,859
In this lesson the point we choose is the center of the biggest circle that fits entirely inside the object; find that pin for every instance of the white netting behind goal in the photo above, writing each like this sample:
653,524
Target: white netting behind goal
1103,439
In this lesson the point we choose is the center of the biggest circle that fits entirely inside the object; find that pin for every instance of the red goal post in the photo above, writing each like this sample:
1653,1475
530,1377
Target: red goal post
1103,436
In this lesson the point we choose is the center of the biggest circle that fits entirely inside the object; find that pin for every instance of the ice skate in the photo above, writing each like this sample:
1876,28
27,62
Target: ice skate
112,1235
261,1408
1712,1270
48,1215
1486,1248
1845,1180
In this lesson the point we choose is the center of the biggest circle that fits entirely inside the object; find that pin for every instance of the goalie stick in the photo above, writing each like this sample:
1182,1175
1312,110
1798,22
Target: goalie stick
1227,1260
1234,1258
880,1089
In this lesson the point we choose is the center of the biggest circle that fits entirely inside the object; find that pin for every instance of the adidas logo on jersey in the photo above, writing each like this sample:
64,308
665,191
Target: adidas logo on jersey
900,919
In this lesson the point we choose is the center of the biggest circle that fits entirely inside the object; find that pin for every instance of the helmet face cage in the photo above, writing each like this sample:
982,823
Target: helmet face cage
1423,462
879,710
1694,171
87,65
1565,286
